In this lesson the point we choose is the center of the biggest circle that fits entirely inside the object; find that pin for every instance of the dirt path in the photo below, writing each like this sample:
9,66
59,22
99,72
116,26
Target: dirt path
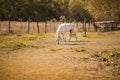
49,61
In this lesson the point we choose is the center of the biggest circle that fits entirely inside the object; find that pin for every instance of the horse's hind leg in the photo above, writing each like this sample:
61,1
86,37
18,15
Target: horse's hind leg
70,37
76,36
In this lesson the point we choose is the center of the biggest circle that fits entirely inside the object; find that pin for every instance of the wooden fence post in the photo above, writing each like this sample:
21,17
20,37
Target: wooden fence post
9,27
45,26
21,23
89,26
0,25
54,27
38,27
28,25
85,26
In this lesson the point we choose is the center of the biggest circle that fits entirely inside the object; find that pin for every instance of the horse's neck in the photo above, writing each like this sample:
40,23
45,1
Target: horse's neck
58,33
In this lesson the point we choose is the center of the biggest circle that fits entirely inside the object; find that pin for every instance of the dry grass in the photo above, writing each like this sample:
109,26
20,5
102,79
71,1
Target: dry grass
40,58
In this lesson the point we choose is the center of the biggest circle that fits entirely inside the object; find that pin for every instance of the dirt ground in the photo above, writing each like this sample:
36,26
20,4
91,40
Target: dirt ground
72,60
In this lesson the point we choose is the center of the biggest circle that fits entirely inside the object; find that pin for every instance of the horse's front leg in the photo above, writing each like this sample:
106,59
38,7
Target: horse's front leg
63,37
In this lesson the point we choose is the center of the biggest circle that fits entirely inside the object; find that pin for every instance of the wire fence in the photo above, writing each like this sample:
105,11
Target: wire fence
18,27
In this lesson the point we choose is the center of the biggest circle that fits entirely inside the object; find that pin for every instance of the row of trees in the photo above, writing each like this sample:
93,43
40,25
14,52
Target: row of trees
41,10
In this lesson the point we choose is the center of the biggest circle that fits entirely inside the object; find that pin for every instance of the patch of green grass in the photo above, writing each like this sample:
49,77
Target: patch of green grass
96,55
109,59
85,35
108,56
14,45
81,50
93,35
78,50
15,42
31,36
56,49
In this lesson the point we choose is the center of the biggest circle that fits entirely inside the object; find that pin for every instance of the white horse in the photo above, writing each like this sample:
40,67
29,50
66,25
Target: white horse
62,29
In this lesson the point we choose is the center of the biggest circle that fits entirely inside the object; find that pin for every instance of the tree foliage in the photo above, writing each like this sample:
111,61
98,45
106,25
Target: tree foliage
77,10
104,9
48,9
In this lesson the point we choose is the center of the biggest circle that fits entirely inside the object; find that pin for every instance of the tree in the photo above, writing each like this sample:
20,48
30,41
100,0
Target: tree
104,9
48,9
77,10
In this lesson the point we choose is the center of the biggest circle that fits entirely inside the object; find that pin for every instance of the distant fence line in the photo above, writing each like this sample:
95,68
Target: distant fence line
32,27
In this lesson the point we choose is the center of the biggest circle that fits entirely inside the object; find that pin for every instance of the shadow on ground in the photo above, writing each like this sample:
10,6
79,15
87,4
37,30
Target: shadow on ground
75,42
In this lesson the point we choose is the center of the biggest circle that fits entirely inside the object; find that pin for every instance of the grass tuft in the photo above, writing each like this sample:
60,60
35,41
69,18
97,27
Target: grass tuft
56,49
15,42
108,57
78,50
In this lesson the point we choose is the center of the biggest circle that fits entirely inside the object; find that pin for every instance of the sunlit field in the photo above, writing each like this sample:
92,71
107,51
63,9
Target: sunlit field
95,56
29,33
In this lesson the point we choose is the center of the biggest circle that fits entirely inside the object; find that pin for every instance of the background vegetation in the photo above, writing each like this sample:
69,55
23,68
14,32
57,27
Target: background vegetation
41,10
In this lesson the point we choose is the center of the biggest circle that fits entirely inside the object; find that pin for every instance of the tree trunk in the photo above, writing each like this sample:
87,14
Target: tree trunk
28,25
9,27
54,27
0,22
85,25
38,27
89,26
45,26
21,24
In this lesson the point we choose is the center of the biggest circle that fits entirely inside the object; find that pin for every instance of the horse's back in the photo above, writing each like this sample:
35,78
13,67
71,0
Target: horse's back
64,27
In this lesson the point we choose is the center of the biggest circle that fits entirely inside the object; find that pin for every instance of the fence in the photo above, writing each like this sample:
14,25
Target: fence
44,27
